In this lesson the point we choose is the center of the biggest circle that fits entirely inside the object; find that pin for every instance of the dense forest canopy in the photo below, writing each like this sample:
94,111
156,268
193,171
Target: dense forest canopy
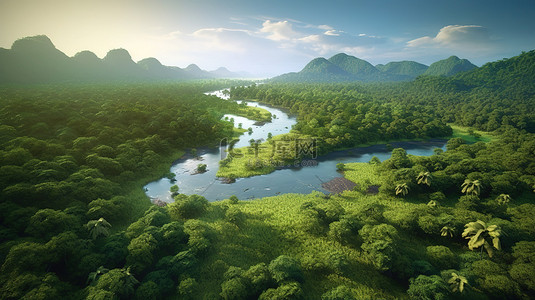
74,222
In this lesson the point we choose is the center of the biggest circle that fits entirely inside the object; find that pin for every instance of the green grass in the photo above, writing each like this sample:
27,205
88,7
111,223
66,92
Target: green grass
247,162
274,226
463,132
363,174
254,113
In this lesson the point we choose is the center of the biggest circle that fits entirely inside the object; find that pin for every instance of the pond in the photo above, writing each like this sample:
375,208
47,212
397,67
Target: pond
303,178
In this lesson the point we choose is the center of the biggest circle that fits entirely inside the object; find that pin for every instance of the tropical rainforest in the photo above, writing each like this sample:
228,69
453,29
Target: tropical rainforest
460,224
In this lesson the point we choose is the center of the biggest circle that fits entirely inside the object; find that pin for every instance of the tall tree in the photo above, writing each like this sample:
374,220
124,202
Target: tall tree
503,199
457,282
423,178
98,227
402,189
479,235
471,187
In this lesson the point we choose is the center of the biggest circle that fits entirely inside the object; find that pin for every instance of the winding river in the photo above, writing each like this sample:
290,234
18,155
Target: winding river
303,179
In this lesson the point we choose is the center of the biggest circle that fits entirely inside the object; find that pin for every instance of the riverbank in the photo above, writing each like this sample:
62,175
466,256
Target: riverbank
261,160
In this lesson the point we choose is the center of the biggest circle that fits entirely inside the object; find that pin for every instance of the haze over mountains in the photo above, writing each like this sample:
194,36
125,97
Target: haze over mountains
36,60
343,67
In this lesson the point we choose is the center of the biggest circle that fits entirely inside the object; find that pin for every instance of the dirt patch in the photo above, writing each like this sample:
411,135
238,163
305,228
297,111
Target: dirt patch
338,185
373,189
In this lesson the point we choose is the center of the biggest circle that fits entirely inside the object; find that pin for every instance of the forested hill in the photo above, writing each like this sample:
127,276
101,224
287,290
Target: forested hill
514,75
347,68
449,67
36,60
407,68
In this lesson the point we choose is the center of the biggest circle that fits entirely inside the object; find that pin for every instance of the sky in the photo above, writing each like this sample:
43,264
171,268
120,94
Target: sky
267,38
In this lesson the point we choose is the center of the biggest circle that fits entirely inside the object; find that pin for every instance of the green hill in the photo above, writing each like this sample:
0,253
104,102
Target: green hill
339,68
449,67
515,74
406,68
354,66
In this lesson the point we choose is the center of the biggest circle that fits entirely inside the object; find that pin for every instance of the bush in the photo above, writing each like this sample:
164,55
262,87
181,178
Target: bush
428,287
188,207
441,257
286,291
235,216
341,292
285,268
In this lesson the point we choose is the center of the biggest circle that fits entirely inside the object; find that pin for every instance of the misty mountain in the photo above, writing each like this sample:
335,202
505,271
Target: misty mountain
449,67
36,60
223,72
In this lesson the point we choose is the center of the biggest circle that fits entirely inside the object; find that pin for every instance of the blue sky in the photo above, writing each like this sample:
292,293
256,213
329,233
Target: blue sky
272,37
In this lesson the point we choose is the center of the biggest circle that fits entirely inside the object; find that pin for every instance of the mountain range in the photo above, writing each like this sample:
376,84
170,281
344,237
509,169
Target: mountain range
36,60
343,68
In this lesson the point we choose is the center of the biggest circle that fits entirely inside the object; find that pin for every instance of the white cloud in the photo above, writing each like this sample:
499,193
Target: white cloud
279,31
331,32
456,37
325,27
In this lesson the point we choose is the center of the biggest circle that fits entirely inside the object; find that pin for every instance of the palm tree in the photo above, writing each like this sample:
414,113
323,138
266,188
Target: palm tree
447,230
472,187
93,276
479,235
432,203
423,177
457,282
402,189
503,199
98,227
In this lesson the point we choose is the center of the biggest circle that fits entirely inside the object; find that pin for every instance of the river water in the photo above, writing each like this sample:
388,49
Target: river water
304,178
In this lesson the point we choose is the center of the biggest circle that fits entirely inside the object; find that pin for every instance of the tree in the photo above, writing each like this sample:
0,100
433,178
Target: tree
234,199
479,235
285,268
201,168
402,189
428,287
94,276
120,282
188,207
423,178
174,190
457,282
447,230
471,187
503,199
98,227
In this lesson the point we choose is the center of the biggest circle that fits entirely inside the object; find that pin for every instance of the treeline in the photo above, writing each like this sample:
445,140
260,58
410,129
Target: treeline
348,115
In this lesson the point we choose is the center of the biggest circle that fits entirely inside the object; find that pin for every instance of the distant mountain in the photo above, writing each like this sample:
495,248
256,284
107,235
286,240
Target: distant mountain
404,68
343,67
156,70
449,67
223,72
339,68
317,70
36,60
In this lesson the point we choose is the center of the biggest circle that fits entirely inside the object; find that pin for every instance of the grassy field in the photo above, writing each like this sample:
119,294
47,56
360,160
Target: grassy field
476,136
275,226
